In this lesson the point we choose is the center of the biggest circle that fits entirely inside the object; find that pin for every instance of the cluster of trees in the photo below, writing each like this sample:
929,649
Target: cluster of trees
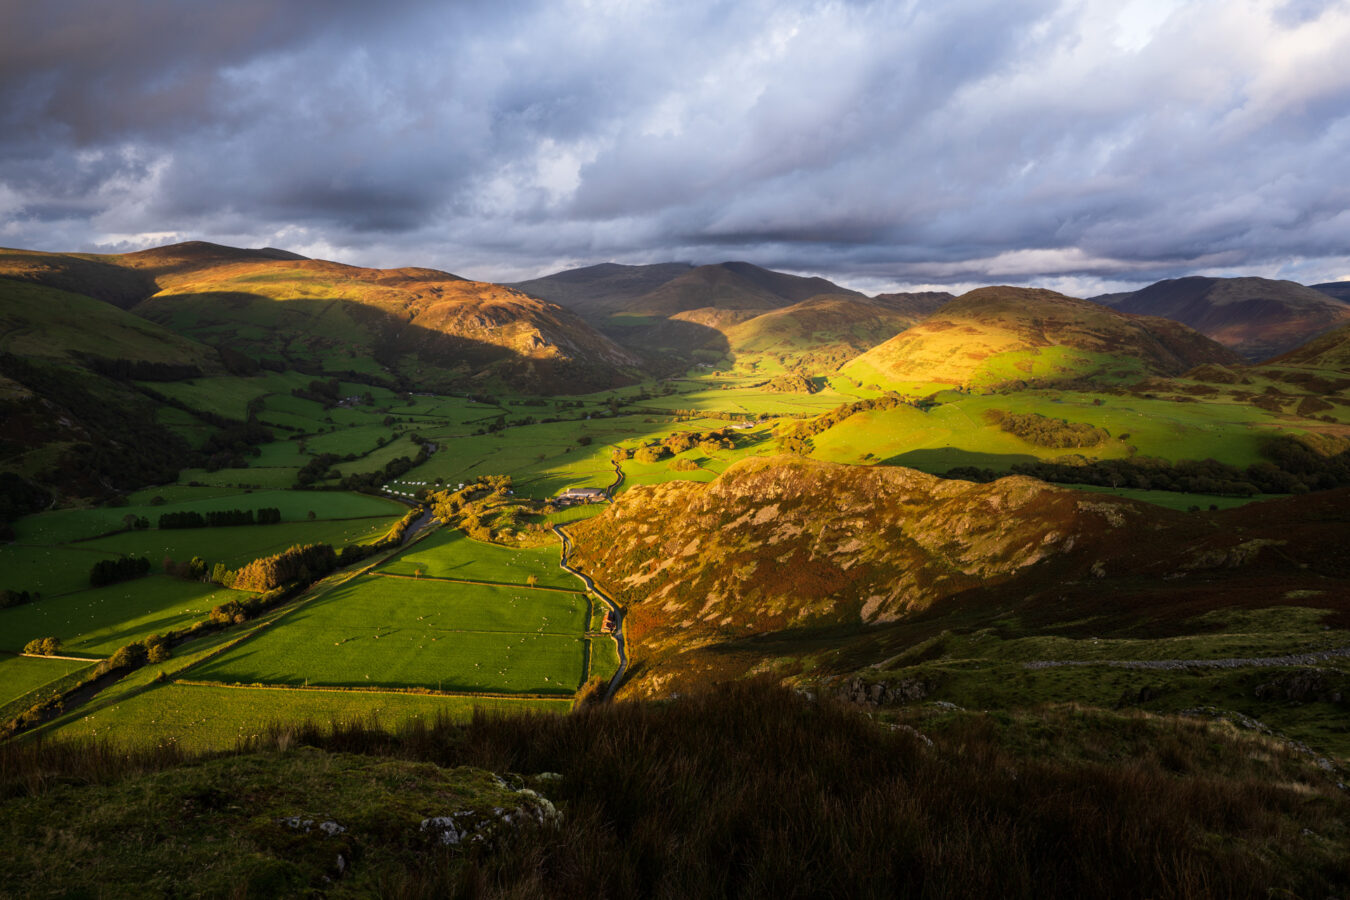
823,423
1291,467
316,469
306,562
153,649
791,384
679,442
325,393
124,568
219,518
48,646
10,598
1044,431
227,448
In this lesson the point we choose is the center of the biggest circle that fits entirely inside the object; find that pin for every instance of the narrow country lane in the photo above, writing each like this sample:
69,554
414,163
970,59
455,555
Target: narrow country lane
618,613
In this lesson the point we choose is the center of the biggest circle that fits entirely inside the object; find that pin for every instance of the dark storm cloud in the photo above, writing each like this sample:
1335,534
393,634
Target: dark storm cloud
1078,141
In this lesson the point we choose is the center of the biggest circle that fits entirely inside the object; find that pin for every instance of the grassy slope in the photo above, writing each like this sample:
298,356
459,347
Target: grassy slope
45,322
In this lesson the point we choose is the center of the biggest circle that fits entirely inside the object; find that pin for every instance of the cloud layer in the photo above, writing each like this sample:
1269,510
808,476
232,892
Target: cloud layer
1082,145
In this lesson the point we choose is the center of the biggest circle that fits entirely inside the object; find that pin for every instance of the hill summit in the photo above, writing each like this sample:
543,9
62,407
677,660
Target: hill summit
1256,317
1003,335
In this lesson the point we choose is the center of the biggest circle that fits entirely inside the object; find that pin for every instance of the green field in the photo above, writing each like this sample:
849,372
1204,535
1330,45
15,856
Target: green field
21,674
207,717
240,544
50,571
227,395
65,525
99,620
450,554
604,657
403,632
955,433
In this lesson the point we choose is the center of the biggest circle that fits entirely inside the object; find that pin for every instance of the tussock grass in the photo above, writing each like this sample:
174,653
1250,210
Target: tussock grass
750,790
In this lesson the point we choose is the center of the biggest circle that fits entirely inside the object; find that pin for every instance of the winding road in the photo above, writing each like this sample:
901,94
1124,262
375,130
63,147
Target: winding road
618,613
618,480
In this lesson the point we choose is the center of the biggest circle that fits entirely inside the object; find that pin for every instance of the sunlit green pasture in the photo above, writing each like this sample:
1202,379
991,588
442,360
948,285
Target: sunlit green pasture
450,554
19,675
64,525
402,632
237,545
99,620
955,433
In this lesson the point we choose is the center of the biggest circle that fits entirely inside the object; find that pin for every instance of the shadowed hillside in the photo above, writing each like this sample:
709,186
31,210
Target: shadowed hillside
1256,317
1005,335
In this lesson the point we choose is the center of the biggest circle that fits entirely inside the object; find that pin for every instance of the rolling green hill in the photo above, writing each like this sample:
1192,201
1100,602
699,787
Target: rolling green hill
1328,351
1006,335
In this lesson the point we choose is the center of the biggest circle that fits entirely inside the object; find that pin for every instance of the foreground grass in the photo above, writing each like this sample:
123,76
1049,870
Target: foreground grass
201,718
744,791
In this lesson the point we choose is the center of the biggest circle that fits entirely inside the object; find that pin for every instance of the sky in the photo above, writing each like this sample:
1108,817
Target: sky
1081,145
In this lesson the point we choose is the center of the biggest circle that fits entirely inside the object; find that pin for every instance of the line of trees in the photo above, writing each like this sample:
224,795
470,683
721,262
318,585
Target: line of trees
124,568
220,518
299,563
820,424
10,598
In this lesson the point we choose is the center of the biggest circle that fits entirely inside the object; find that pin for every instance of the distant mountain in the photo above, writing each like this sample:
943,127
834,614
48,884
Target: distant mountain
1340,290
1004,335
414,327
667,289
732,285
1256,317
814,336
603,289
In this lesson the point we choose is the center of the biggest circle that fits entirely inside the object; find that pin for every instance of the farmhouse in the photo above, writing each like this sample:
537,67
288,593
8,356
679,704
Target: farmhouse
581,495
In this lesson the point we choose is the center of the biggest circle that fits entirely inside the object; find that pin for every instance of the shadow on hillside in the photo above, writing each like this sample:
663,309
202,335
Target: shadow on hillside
669,346
937,460
337,336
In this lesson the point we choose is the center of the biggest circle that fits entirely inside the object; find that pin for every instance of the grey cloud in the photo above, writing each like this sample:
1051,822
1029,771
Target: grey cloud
889,142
